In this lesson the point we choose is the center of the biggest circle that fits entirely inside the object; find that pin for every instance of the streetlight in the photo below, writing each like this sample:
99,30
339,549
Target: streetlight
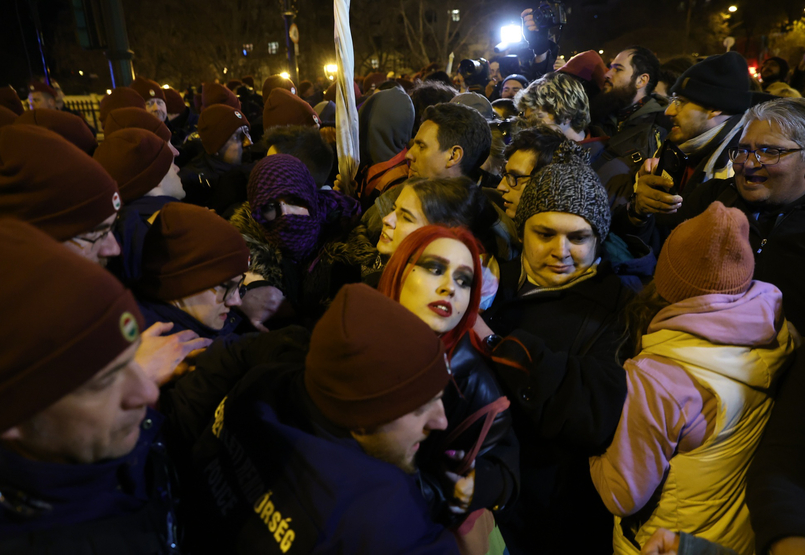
285,75
80,72
733,9
600,51
225,71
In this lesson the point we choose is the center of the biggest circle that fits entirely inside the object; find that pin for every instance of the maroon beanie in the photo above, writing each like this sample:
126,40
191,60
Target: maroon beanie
217,124
706,255
139,118
275,82
121,97
147,89
174,101
373,79
38,86
190,249
285,108
65,319
11,100
588,66
372,361
135,158
248,80
50,183
70,126
329,94
7,117
233,84
213,93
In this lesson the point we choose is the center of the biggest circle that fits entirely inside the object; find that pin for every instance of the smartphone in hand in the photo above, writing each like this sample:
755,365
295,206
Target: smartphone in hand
673,164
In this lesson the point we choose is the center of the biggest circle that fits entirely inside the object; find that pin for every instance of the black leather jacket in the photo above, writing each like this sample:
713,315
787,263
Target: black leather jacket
497,467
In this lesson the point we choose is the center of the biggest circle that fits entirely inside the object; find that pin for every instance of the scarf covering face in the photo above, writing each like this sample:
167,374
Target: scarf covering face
297,236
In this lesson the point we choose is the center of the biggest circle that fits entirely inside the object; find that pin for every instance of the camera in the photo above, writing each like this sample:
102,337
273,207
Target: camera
550,14
474,72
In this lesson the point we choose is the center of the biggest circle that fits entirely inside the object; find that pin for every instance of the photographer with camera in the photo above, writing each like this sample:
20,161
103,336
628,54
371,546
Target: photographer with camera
537,26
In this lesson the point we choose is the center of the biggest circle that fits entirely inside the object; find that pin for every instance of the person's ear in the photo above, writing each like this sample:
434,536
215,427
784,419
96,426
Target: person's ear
642,80
714,114
456,155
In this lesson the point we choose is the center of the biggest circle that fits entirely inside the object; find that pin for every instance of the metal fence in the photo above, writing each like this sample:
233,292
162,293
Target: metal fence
88,106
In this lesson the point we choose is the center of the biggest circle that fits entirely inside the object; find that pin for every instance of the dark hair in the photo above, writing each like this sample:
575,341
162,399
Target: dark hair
463,126
440,77
306,144
449,201
389,84
637,315
429,93
644,61
541,140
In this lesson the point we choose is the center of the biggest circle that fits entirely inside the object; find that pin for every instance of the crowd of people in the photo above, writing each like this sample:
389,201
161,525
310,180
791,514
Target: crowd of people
554,312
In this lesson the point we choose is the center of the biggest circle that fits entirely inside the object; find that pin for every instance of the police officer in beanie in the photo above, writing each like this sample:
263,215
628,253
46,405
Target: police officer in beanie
317,453
216,178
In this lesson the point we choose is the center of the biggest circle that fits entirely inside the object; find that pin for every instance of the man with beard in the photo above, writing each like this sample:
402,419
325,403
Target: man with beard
631,116
768,185
773,70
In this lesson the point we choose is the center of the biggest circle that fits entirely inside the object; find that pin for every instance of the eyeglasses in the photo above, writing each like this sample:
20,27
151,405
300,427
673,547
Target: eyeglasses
678,102
768,156
230,287
513,180
100,237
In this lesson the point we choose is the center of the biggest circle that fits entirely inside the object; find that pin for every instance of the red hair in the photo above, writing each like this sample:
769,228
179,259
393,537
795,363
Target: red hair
408,254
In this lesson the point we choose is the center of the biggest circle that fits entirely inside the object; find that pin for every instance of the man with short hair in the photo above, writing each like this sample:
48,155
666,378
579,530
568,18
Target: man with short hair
512,85
306,144
217,177
317,454
631,116
768,186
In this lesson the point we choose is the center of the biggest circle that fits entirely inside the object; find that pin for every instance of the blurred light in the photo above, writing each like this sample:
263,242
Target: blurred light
600,51
166,86
753,71
331,68
331,78
224,71
108,91
511,34
285,75
733,9
80,72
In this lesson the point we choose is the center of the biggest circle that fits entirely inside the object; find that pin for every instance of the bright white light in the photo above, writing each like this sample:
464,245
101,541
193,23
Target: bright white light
108,91
600,51
166,86
224,71
80,72
331,78
511,34
330,68
285,75
733,9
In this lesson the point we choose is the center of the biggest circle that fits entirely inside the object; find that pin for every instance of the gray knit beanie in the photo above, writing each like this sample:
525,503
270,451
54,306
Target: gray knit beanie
566,187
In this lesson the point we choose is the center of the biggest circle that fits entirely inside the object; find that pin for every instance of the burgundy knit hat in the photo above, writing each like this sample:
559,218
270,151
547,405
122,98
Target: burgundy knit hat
7,117
70,126
248,80
147,89
588,66
213,93
233,84
11,100
217,124
121,97
50,183
373,79
135,158
329,94
82,316
190,249
372,361
38,86
285,108
277,81
137,118
174,101
705,255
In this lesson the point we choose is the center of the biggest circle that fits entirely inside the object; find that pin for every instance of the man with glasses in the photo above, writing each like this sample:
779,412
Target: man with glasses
769,186
530,150
193,268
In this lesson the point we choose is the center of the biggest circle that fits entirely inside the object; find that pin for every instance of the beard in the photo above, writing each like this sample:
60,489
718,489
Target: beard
604,104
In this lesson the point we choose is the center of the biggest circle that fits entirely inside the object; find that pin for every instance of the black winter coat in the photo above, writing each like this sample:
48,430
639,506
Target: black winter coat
497,475
567,389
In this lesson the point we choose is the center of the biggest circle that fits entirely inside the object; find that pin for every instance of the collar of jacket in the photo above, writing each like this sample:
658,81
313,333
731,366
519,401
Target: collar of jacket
590,272
183,321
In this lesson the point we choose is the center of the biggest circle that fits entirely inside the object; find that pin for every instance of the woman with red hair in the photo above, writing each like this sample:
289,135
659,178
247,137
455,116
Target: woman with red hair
436,274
